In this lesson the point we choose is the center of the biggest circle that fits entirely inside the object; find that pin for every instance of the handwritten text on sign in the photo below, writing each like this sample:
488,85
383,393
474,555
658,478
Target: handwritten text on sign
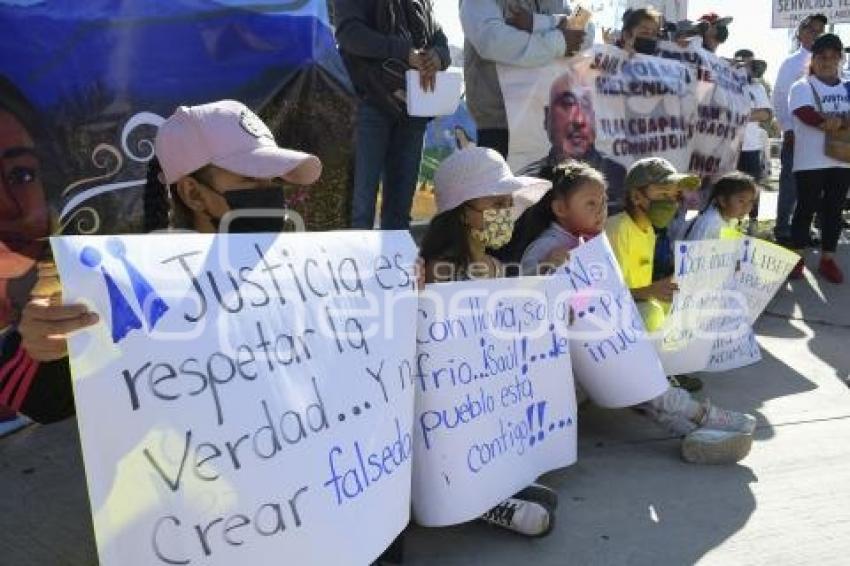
612,360
240,401
702,270
763,269
495,403
723,108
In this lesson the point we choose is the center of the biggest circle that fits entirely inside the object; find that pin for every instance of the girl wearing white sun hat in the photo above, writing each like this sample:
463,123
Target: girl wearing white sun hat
474,189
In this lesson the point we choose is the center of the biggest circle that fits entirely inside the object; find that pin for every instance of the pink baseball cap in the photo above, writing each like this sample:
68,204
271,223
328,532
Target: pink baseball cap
229,135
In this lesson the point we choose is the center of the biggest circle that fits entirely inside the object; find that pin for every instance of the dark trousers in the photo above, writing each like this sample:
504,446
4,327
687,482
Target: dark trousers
820,191
787,197
494,139
749,162
389,152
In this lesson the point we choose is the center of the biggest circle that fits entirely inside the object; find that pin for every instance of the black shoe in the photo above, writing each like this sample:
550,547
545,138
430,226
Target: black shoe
686,382
539,494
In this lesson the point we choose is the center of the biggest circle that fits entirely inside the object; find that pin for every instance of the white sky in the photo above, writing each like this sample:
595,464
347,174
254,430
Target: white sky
750,28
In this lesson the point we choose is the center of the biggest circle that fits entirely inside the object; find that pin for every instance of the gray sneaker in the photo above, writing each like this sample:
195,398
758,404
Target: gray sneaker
708,446
723,419
525,517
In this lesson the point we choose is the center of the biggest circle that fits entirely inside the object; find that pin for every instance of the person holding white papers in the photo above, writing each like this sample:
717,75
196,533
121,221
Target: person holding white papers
379,42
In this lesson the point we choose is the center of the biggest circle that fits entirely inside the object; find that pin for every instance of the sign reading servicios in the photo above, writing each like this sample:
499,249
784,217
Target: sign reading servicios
788,13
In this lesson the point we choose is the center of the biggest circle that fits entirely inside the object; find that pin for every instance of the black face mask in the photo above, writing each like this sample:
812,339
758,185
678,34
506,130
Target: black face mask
646,45
254,203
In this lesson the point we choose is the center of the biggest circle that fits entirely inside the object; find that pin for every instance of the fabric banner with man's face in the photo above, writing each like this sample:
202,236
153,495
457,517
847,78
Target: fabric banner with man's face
610,109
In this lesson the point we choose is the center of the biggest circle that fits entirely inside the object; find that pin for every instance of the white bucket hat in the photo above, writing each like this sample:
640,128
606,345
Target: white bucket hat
475,172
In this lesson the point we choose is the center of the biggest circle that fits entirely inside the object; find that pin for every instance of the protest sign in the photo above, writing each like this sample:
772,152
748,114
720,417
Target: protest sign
788,13
735,346
644,106
723,108
612,359
702,270
763,269
604,105
495,400
239,401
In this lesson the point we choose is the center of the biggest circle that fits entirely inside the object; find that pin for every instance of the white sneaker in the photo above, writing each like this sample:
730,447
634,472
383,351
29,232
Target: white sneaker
709,446
723,419
524,517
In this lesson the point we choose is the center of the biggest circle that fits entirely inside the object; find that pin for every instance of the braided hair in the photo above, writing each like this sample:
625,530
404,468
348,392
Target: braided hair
566,177
729,185
163,208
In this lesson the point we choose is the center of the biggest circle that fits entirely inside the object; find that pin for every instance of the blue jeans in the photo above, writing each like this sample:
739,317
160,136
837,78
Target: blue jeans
389,151
787,198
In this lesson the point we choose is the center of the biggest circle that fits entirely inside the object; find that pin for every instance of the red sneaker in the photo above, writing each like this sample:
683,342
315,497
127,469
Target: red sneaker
797,272
830,271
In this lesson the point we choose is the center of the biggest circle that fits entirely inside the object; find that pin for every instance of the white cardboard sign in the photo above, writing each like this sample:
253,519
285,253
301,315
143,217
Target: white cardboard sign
495,402
238,402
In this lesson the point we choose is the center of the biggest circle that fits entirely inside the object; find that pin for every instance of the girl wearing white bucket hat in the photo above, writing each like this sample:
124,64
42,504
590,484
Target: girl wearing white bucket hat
475,189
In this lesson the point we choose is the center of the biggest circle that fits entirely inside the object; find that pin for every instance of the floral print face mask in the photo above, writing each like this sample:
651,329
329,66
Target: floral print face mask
497,230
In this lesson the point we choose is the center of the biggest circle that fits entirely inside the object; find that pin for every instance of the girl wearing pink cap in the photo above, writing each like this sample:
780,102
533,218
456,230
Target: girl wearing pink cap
212,160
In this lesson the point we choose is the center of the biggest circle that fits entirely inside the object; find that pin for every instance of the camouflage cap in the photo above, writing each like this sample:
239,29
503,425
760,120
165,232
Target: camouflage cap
658,171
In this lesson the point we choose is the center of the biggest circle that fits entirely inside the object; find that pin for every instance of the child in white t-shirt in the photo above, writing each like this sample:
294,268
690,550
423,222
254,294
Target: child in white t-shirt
732,198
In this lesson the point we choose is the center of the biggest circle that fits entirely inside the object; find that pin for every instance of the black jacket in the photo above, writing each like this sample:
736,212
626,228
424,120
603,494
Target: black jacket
42,391
365,47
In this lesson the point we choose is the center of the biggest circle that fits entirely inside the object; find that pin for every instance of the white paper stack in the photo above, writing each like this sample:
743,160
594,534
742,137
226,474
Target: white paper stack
442,101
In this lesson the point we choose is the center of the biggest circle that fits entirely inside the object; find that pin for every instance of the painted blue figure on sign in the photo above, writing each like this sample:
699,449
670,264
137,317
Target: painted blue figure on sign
123,317
153,307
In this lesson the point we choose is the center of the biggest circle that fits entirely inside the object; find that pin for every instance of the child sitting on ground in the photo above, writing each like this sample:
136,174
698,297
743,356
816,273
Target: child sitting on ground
732,198
718,435
574,209
474,190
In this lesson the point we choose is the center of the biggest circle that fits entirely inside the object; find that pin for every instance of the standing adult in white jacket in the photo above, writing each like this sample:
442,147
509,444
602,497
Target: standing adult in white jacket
793,69
525,33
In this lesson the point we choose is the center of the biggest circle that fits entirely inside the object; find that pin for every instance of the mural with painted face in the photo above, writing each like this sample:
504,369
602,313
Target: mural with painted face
24,219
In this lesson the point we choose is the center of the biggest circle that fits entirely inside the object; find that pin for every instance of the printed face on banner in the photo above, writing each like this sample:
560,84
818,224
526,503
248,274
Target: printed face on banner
244,397
23,200
495,404
569,119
